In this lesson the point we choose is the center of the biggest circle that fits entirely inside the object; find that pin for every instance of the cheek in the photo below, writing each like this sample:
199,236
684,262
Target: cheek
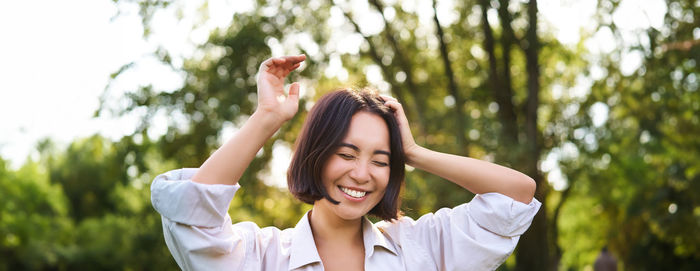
382,177
331,170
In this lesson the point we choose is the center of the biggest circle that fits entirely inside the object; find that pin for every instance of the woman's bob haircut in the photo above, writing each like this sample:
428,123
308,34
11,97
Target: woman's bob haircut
326,125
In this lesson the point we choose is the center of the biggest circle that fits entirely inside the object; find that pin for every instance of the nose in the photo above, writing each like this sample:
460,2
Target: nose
360,173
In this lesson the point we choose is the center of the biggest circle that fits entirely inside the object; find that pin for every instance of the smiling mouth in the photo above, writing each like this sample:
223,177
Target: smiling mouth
353,193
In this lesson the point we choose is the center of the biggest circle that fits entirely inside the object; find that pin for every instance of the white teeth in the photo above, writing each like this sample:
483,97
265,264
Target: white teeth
353,193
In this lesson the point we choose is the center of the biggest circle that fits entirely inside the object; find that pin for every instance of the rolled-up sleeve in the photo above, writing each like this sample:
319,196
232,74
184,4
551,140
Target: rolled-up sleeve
502,215
196,224
181,200
478,235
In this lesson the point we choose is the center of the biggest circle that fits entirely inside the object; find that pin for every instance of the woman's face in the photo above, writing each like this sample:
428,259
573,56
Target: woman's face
357,173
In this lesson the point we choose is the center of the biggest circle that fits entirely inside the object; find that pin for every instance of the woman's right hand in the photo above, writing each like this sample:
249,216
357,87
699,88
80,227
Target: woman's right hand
271,97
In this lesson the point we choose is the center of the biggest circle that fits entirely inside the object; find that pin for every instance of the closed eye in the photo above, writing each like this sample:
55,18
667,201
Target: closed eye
381,164
346,156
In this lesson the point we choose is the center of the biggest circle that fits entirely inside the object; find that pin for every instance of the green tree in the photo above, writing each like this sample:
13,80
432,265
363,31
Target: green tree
106,185
42,230
639,169
34,222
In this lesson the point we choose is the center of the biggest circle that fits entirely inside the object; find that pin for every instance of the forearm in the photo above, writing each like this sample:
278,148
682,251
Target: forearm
229,162
474,175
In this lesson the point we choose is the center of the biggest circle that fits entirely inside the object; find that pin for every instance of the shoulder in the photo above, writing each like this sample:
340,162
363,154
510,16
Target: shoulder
407,231
264,232
269,234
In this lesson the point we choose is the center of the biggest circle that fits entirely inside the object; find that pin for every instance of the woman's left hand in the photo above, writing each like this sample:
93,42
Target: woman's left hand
475,175
409,144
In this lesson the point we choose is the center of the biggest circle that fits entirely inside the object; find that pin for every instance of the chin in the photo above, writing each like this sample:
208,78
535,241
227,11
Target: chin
350,214
346,211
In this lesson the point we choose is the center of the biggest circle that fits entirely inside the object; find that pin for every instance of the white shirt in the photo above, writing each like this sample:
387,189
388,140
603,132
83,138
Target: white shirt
478,235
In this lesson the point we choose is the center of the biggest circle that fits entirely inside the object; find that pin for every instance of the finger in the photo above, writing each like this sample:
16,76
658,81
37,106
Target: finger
273,62
279,61
282,73
401,119
394,105
280,67
388,98
398,111
295,59
267,63
291,63
284,65
293,93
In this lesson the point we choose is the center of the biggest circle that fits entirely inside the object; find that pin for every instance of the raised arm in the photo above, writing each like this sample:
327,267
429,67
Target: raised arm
227,164
474,175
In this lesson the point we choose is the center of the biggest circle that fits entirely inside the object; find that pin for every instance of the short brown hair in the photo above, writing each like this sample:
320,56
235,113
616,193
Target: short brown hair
325,126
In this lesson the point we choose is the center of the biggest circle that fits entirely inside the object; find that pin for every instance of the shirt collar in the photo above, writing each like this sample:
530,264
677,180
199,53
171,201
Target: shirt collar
303,248
374,236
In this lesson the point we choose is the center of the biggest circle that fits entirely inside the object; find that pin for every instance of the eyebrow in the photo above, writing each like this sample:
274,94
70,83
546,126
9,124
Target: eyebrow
343,144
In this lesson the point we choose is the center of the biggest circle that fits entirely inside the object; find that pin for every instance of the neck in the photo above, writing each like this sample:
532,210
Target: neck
329,228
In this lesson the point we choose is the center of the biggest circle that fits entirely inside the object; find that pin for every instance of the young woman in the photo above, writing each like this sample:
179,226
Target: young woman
349,162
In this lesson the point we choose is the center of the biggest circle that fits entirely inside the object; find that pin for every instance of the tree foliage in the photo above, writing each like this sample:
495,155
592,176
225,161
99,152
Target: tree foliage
638,171
81,208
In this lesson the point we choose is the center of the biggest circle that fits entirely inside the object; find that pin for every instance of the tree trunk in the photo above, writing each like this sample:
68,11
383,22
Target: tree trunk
506,107
453,89
533,252
501,93
554,226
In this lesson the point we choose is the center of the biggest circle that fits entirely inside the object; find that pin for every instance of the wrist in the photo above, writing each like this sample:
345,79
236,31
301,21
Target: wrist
412,153
267,119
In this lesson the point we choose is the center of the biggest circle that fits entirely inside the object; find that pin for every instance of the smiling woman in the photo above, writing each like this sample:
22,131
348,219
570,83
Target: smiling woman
349,162
354,134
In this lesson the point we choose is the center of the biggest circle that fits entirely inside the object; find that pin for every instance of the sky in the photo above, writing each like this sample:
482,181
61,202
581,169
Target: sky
56,58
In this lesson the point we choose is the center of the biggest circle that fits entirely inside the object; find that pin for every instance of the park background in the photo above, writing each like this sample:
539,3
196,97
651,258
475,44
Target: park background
598,101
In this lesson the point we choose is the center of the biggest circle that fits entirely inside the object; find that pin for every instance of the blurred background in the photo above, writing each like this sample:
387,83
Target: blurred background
598,101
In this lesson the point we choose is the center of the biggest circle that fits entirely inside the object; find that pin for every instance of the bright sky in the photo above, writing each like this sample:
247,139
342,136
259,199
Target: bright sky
56,58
